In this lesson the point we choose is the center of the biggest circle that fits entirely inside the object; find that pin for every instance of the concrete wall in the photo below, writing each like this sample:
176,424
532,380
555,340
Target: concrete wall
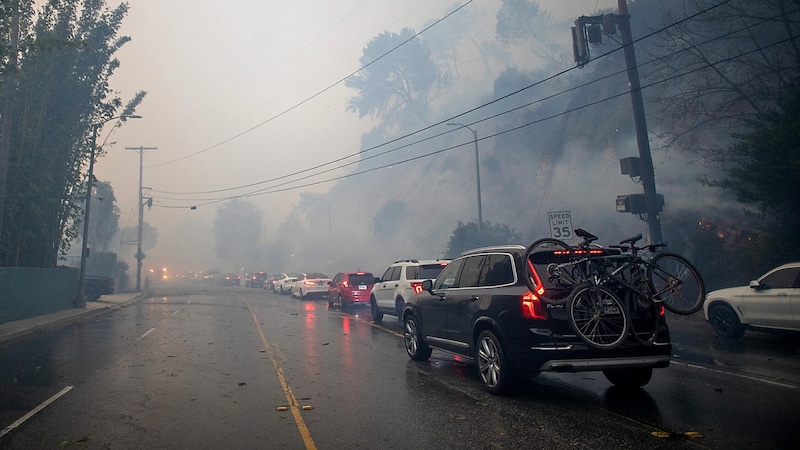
26,292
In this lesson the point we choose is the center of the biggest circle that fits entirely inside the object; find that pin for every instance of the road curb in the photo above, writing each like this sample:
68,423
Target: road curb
14,331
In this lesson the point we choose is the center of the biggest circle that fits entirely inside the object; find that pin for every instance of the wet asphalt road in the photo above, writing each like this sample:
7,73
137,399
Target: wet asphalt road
211,367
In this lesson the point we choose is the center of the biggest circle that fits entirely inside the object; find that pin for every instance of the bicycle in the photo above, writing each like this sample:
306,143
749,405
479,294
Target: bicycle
590,280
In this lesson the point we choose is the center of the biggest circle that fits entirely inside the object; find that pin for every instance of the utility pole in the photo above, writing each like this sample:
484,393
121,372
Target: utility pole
653,205
587,31
139,254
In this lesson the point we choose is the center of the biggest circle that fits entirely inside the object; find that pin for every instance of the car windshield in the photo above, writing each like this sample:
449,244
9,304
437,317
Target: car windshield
362,278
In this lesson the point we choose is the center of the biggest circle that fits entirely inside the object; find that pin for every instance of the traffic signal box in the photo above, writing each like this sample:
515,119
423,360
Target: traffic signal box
634,203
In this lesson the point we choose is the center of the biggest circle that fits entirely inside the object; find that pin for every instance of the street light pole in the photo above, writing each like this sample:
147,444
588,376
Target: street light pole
80,301
477,171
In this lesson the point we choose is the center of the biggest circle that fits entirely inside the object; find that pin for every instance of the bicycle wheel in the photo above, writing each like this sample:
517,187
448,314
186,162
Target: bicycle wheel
598,316
676,283
548,263
643,317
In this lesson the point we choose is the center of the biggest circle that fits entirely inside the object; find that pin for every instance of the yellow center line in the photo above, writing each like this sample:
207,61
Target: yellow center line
293,405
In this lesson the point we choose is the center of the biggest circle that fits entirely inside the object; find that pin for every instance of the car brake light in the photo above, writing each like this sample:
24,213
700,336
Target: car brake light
417,286
309,283
537,282
532,307
344,283
660,310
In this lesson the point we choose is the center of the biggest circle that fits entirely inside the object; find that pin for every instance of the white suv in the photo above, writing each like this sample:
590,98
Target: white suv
400,281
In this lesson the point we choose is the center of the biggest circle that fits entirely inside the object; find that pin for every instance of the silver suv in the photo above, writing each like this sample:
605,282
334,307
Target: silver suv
400,281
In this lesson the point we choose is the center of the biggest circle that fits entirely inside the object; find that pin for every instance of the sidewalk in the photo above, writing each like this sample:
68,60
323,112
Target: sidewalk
10,331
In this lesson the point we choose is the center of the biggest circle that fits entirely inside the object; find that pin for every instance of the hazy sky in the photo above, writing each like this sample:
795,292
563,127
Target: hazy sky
243,91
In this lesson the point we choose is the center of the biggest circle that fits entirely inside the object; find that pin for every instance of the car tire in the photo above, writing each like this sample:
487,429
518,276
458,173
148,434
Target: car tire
629,378
496,374
416,348
341,303
280,288
301,296
377,315
725,322
330,300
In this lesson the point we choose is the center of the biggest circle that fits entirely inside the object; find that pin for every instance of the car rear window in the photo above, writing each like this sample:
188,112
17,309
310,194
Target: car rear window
365,278
424,271
497,271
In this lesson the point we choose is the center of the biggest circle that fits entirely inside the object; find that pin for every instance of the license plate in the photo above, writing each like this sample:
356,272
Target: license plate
362,287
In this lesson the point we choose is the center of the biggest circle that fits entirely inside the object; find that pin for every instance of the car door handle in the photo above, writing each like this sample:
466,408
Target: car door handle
474,298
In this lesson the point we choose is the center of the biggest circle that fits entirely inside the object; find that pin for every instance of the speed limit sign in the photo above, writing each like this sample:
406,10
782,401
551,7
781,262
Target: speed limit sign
560,224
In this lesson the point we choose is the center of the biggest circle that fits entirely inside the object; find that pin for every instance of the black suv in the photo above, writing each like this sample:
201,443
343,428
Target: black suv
480,307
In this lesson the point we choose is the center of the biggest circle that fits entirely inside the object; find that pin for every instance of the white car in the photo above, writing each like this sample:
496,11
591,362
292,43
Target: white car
310,284
400,281
283,285
770,303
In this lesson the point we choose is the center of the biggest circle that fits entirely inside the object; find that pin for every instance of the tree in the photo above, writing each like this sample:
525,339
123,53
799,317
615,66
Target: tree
718,70
761,169
396,83
468,236
522,22
238,230
104,220
60,94
130,236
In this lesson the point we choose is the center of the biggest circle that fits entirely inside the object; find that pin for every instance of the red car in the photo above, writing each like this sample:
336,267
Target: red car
348,288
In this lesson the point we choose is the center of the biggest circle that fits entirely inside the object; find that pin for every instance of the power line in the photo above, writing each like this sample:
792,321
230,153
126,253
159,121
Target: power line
308,99
273,189
551,77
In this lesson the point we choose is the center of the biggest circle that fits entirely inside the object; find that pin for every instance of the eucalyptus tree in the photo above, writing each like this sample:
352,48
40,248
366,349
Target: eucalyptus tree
61,93
397,81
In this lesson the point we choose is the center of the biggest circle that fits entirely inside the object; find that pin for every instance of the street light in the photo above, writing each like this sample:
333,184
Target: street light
477,171
80,302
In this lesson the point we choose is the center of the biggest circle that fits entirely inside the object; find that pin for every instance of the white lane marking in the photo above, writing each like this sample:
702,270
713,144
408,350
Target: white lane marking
176,312
22,419
746,377
145,334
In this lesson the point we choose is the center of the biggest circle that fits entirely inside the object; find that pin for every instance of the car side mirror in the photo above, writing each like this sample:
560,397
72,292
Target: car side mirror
377,280
755,285
428,286
330,283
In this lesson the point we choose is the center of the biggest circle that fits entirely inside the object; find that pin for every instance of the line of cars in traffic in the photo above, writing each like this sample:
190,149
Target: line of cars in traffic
478,305
385,295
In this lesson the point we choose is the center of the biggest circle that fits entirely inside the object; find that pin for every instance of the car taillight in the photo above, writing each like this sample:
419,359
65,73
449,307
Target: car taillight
309,283
417,286
537,282
532,307
344,283
660,310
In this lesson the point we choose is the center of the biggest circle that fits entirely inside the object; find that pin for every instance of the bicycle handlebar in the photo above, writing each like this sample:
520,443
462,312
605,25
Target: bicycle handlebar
624,245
